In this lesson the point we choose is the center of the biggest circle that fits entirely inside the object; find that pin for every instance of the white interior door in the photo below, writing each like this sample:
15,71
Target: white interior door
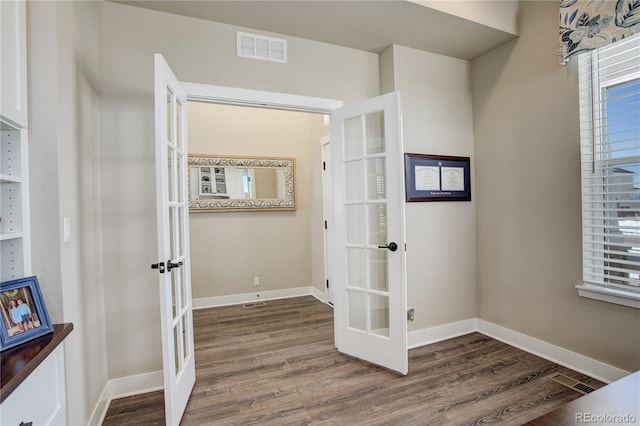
368,257
173,241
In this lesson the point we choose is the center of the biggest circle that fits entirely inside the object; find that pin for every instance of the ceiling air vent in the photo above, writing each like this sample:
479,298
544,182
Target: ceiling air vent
262,47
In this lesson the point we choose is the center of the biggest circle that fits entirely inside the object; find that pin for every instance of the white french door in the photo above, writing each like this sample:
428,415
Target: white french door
173,242
368,256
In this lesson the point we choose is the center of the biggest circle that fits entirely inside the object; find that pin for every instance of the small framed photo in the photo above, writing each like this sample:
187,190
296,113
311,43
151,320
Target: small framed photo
24,314
437,178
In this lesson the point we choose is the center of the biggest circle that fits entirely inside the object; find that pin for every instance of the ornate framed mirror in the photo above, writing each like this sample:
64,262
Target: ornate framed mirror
240,183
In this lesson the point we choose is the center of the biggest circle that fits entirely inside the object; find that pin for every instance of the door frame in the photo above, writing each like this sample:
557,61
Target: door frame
327,212
269,100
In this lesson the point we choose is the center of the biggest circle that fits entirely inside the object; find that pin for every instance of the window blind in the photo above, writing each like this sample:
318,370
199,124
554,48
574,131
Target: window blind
609,96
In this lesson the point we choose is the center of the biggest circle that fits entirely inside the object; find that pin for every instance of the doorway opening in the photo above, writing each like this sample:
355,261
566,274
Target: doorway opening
261,253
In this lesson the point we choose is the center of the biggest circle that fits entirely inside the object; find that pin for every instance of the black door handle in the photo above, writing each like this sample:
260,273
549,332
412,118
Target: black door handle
159,267
390,246
171,265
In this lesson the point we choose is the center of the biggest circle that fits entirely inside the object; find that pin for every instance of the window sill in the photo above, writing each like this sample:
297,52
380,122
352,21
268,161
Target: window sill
619,297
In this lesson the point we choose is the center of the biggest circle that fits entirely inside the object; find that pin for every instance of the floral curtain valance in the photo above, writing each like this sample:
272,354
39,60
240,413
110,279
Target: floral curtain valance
589,24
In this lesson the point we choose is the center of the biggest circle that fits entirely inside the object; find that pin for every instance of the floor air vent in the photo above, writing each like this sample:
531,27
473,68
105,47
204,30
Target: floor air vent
577,386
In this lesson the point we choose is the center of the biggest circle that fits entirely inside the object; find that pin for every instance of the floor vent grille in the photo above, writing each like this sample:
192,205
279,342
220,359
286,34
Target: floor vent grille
253,305
577,386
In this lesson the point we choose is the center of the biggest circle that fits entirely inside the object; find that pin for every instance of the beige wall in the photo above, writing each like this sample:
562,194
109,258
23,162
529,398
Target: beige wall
202,52
65,182
525,108
229,249
437,119
525,127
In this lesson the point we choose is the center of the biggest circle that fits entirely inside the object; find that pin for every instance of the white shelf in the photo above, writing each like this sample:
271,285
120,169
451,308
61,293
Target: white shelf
10,179
11,236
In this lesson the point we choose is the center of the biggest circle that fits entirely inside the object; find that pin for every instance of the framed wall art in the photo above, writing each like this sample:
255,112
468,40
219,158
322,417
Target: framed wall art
437,178
24,314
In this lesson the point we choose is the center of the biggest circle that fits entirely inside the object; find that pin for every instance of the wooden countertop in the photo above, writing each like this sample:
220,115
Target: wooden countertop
616,403
18,362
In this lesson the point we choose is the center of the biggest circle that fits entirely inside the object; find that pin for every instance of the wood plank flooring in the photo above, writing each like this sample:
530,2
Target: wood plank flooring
275,363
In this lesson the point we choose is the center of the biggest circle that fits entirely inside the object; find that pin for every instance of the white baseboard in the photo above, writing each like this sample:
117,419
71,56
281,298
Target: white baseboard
123,387
100,410
589,366
236,299
319,294
441,332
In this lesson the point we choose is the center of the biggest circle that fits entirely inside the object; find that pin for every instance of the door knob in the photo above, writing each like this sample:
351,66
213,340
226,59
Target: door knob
390,246
159,267
171,265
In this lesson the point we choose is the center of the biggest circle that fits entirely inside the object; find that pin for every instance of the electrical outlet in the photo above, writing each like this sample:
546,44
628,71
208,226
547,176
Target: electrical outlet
256,281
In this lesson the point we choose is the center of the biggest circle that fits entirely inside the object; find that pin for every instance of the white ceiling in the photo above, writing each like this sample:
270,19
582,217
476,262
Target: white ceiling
366,25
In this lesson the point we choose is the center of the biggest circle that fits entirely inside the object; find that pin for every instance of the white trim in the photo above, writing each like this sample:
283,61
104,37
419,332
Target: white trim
320,295
101,408
438,333
589,366
259,98
236,299
123,387
605,294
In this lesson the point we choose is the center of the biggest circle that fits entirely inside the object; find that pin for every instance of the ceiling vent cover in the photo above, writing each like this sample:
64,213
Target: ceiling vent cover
261,47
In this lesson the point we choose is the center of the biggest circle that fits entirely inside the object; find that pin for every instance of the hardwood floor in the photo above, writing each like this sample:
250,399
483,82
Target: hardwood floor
275,363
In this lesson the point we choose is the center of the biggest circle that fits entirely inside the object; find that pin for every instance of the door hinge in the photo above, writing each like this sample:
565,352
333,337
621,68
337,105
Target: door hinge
327,283
159,267
324,165
325,225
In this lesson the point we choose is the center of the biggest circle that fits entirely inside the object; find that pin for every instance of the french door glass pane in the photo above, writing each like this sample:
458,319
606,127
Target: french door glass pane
180,246
170,117
379,314
357,310
354,187
179,187
355,224
177,331
170,172
174,292
179,124
376,185
172,232
377,224
375,132
353,137
183,288
183,342
356,271
378,269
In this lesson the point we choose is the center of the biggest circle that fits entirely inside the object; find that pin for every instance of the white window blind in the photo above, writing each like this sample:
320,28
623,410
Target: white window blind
610,150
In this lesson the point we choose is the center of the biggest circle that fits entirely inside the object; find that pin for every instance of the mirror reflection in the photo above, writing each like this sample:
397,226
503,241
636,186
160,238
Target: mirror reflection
240,183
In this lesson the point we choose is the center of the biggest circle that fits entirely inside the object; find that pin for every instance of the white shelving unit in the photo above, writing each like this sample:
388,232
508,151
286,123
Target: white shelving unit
15,253
15,248
40,397
212,182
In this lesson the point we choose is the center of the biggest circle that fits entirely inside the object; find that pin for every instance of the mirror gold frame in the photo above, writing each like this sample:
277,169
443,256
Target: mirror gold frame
216,204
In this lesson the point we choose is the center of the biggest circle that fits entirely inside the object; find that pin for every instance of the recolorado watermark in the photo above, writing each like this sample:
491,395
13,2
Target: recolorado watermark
607,419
